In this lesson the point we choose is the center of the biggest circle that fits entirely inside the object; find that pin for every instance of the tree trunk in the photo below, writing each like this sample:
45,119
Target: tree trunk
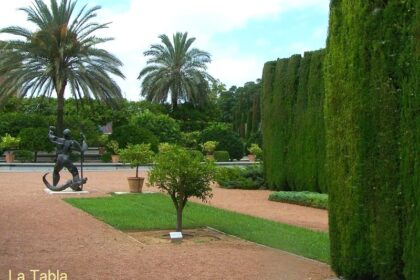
179,218
174,101
60,110
35,156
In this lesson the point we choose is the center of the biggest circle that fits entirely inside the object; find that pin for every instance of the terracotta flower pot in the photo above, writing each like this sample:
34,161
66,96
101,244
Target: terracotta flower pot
9,157
135,184
251,157
115,158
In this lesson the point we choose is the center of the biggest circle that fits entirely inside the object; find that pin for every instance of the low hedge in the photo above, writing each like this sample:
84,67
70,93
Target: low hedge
24,156
305,198
221,156
249,178
196,153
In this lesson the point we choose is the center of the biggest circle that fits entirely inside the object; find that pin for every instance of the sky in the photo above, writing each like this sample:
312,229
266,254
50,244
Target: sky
240,35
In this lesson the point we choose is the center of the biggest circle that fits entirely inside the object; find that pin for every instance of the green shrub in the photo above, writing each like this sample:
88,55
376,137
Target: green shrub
165,128
75,156
191,126
106,157
9,142
221,156
130,134
209,147
35,139
227,139
113,147
13,123
88,127
196,154
255,137
305,198
24,155
249,177
136,155
254,149
190,139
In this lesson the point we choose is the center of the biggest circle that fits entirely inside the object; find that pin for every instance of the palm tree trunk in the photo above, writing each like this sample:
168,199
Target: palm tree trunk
174,102
60,110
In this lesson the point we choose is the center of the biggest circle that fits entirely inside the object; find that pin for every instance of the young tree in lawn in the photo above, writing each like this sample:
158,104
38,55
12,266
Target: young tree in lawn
181,174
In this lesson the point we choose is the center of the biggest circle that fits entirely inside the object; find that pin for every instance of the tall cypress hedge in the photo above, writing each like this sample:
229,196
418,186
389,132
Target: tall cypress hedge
292,123
372,138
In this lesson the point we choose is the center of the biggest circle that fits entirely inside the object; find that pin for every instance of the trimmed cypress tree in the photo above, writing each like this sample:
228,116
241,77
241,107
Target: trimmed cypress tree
293,123
371,86
268,127
410,144
272,125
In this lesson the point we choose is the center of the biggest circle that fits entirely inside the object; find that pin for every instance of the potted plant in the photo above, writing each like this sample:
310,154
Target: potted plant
209,147
114,148
8,144
137,155
102,141
255,152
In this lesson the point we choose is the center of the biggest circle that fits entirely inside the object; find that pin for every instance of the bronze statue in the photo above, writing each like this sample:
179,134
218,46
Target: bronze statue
64,147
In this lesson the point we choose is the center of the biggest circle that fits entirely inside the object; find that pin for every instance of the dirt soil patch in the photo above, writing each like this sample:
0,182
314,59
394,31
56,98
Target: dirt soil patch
42,232
191,237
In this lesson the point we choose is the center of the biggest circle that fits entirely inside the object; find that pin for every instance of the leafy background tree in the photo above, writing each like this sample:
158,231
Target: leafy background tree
165,128
35,139
227,139
132,134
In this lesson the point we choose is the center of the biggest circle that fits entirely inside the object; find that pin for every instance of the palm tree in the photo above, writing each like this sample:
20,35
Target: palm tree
62,51
177,69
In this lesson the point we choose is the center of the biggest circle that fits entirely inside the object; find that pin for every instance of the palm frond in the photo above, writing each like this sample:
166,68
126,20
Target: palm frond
175,69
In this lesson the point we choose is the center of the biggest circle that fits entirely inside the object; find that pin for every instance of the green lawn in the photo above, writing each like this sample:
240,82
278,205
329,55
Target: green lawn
156,211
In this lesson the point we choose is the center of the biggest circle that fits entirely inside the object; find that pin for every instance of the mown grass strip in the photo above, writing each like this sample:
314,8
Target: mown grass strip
155,211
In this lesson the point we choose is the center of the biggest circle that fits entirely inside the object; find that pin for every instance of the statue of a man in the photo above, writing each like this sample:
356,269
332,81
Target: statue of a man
64,147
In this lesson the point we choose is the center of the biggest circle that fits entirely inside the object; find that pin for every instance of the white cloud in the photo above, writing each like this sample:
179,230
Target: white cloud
299,48
320,32
138,27
9,14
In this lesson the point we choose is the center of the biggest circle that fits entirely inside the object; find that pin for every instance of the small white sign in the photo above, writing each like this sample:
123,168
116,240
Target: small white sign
175,236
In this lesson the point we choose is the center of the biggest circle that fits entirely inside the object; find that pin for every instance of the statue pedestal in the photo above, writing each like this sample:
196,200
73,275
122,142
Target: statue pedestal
66,191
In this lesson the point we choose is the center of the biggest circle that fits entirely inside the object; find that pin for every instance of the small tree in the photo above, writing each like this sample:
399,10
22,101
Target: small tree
182,175
35,139
113,147
137,155
8,142
210,146
254,149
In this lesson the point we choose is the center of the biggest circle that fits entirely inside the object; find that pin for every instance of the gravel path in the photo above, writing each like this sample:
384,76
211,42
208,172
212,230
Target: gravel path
42,232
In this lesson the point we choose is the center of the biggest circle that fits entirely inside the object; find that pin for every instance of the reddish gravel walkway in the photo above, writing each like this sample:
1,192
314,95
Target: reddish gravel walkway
256,203
40,231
